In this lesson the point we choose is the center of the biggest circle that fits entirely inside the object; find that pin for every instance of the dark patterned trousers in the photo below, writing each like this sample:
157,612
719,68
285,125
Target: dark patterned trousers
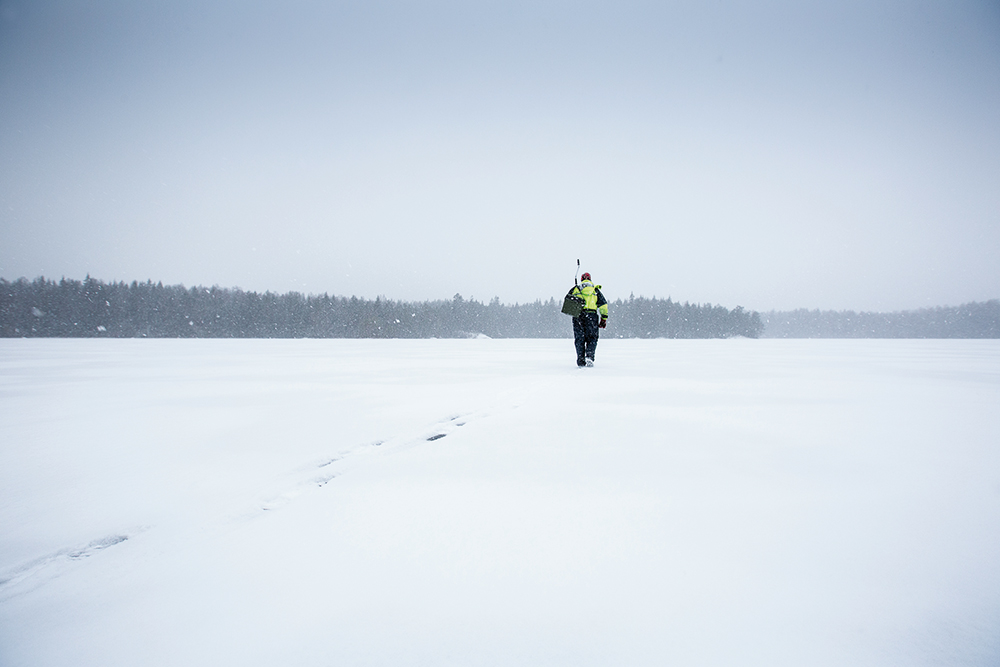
585,335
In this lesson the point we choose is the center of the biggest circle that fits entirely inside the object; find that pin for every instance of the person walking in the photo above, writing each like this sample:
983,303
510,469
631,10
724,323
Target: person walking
593,317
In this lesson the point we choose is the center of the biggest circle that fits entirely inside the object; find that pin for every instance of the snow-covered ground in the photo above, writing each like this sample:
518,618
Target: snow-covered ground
485,502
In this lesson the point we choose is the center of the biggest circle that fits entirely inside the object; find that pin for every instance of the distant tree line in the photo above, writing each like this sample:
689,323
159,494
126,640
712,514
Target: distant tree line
971,320
639,317
92,308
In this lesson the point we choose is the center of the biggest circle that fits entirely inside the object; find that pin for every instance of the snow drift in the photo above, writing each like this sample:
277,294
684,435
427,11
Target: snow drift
485,502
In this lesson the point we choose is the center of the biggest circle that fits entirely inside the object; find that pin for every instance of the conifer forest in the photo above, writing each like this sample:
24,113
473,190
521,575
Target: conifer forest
93,308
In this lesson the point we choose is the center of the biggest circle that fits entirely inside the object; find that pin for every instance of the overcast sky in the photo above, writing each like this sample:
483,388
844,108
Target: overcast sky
831,154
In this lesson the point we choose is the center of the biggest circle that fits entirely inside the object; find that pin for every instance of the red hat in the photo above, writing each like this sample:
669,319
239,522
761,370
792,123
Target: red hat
585,276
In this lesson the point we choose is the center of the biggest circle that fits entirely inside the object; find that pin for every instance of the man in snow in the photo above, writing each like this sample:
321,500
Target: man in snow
594,316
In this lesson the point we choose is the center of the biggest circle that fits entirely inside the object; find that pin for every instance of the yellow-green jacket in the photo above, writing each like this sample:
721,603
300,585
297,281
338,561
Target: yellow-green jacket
592,298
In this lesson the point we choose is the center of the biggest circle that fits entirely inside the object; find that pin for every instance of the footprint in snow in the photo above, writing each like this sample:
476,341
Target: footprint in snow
334,466
27,570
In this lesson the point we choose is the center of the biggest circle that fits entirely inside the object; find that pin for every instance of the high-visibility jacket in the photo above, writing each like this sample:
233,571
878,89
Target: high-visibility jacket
592,297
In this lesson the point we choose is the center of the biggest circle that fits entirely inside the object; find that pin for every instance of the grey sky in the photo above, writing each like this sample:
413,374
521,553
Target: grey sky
773,154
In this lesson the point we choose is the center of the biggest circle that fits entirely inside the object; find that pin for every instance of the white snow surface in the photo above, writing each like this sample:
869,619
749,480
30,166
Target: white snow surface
485,502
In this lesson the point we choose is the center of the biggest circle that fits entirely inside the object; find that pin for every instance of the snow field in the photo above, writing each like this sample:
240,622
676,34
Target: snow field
485,502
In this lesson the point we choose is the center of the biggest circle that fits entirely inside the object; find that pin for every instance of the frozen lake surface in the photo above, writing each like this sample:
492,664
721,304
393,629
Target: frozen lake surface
485,502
